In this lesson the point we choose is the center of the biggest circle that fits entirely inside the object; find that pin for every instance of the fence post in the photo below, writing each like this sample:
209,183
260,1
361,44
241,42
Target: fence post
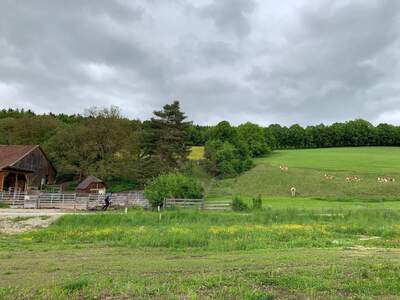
202,204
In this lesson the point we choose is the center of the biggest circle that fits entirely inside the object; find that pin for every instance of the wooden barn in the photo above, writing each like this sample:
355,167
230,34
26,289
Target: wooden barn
24,167
91,185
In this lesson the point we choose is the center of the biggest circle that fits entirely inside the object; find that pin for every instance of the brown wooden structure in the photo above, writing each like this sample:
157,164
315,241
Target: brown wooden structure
91,185
24,167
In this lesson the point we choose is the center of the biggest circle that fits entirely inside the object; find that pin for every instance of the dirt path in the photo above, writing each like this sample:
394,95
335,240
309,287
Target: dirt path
19,212
14,221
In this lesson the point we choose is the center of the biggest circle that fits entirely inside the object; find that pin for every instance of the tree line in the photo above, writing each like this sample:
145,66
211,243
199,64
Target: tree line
104,143
353,133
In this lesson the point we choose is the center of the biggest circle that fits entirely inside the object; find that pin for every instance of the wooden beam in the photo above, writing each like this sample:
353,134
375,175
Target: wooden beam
2,177
16,183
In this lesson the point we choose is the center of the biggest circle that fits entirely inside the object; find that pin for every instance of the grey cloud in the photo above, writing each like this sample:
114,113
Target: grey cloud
263,61
219,52
232,16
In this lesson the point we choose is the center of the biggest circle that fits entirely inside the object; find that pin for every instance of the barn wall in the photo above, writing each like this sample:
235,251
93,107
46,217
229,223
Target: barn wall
42,168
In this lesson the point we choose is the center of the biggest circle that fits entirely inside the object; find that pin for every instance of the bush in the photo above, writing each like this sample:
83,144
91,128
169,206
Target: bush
257,203
172,185
238,204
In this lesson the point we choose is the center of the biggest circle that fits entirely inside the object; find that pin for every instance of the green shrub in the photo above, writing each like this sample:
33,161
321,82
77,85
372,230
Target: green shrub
238,204
224,159
172,185
257,203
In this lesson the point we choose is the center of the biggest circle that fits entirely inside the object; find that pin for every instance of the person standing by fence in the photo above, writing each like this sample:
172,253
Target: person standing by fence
107,201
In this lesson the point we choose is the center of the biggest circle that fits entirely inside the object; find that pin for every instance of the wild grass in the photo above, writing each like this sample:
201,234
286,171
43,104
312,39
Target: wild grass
265,254
125,273
268,254
270,228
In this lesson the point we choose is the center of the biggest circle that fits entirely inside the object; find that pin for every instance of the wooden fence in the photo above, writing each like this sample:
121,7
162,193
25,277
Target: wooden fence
72,200
197,204
184,203
95,201
218,205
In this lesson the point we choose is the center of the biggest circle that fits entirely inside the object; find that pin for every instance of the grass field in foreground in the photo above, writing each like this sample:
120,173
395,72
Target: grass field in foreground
307,169
125,273
269,254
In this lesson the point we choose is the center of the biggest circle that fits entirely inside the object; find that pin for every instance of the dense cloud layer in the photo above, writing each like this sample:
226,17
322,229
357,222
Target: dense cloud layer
301,62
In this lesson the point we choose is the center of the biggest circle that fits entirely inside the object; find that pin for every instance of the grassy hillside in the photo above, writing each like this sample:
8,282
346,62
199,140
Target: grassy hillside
377,160
307,169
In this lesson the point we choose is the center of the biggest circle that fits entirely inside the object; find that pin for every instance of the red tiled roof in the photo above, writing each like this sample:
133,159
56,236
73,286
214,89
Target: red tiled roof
11,154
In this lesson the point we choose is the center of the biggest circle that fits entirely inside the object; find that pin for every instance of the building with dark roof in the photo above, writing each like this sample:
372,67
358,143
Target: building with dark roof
91,185
24,167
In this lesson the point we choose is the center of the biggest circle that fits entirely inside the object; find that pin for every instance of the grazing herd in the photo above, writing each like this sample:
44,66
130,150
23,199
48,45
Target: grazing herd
385,179
353,179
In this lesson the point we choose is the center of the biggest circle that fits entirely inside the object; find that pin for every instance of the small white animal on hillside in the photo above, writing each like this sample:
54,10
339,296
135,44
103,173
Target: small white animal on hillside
293,191
329,177
284,168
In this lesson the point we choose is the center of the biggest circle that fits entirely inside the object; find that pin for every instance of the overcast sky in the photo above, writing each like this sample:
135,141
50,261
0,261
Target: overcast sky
265,61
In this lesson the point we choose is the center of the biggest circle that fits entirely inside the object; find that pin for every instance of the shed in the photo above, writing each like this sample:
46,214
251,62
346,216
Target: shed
91,185
24,167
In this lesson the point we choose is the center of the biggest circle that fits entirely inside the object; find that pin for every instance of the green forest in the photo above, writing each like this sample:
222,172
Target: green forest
127,153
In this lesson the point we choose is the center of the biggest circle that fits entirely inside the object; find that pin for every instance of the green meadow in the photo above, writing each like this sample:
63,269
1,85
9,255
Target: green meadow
267,254
306,172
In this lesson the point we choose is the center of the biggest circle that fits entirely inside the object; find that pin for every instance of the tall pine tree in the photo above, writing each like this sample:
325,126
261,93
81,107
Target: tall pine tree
164,136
